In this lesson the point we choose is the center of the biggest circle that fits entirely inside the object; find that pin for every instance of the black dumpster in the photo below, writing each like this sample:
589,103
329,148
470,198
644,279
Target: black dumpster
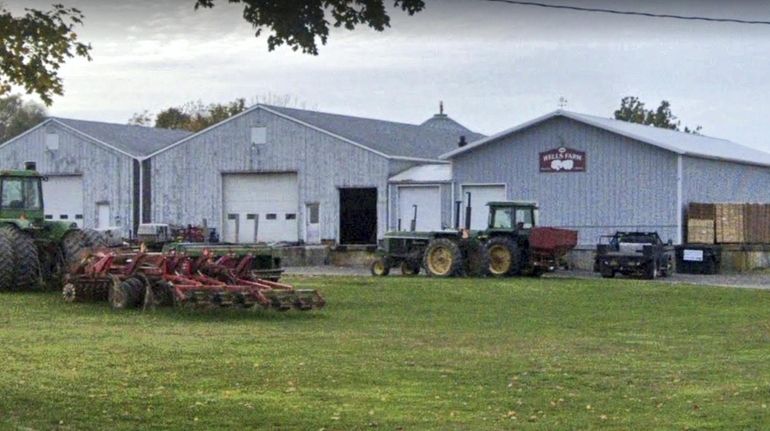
698,259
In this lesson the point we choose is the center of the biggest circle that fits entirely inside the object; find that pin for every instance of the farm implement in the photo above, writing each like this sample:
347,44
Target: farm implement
132,279
511,245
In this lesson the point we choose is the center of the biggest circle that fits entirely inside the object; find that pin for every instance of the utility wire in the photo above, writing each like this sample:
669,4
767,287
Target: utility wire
624,12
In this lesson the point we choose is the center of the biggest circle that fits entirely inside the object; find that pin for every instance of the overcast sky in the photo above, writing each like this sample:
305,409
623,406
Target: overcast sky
494,65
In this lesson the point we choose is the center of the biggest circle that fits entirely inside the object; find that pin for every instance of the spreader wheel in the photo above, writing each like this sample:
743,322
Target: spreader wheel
443,258
69,293
409,268
504,257
126,294
380,267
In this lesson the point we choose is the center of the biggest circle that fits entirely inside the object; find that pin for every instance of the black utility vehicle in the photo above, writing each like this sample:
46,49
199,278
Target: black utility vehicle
639,254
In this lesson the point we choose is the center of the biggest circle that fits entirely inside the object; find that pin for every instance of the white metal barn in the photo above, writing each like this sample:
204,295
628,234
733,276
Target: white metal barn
598,175
279,174
94,169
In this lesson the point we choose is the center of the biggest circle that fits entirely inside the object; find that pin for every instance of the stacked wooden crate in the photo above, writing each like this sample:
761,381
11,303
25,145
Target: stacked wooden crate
757,224
728,223
701,223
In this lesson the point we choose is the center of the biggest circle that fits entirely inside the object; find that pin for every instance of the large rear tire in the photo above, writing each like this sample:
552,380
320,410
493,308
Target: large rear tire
443,258
27,261
77,242
476,258
7,262
504,257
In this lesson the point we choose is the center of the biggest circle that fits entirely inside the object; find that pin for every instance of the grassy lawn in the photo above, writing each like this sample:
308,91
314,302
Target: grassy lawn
398,353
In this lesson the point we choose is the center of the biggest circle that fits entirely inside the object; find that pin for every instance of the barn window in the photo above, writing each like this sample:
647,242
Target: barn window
271,216
51,142
258,135
290,216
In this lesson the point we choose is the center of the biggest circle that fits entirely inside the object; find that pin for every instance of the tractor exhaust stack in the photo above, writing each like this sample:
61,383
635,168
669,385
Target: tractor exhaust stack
468,213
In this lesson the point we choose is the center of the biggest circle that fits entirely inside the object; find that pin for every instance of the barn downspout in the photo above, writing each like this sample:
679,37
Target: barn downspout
141,191
679,214
452,215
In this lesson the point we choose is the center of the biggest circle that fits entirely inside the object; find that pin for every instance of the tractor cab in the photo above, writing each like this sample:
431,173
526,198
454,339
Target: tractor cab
21,195
511,216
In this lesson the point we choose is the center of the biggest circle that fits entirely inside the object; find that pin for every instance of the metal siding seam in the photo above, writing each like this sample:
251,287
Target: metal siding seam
679,215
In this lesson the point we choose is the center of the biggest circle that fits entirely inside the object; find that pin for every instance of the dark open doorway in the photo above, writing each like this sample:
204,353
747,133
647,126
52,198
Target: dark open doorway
358,216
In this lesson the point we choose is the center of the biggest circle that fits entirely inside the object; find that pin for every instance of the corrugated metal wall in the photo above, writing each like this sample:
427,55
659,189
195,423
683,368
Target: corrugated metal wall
187,180
627,185
107,174
712,181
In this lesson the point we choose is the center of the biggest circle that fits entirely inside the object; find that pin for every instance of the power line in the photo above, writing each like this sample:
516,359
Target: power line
624,12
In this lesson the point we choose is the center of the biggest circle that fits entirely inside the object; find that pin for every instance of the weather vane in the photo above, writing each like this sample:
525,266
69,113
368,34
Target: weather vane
562,102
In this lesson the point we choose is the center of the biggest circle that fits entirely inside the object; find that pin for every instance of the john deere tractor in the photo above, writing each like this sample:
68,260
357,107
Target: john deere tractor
510,245
33,251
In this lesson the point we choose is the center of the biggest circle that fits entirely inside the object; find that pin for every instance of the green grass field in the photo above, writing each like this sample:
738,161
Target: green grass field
398,353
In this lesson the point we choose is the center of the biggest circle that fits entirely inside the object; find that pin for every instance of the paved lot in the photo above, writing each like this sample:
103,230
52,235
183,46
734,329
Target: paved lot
754,280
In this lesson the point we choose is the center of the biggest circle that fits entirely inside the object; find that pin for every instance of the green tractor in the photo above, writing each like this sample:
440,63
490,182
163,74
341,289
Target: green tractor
34,251
510,245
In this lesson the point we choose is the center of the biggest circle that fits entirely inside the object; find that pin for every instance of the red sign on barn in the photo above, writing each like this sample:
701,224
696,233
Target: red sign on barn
563,159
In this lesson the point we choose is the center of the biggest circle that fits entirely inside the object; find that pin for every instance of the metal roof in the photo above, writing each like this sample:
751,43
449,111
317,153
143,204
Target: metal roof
431,173
137,141
387,137
671,140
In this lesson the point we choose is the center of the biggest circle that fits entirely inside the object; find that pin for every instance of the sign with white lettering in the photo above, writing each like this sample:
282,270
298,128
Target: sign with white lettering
693,255
563,159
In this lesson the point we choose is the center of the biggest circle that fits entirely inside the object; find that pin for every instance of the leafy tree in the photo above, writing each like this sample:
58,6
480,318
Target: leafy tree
143,118
633,110
195,116
174,118
192,116
17,116
34,46
297,23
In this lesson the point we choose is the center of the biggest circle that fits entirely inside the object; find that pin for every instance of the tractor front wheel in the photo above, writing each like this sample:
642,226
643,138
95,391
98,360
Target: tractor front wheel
504,257
380,267
443,258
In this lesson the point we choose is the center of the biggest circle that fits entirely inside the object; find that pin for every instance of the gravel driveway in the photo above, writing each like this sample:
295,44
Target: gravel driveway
752,280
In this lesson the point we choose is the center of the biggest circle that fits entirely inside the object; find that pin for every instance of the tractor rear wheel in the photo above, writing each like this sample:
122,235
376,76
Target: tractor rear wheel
27,261
75,243
504,257
126,294
443,258
476,258
7,262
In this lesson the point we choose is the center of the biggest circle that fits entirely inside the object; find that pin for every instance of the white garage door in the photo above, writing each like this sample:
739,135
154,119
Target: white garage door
480,196
428,201
63,198
260,207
